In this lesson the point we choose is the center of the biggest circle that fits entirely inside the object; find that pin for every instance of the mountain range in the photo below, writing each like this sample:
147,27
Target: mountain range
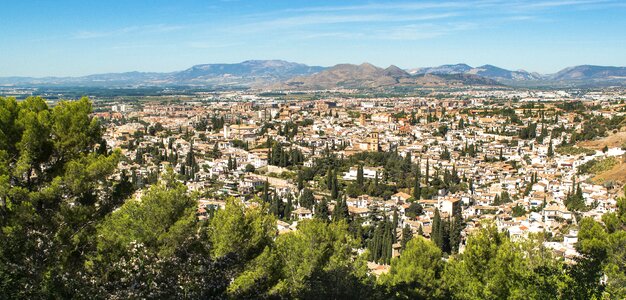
279,74
369,76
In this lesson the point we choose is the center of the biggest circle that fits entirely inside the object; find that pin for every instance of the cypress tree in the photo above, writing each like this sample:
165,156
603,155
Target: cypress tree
456,227
334,191
300,181
288,208
266,191
359,176
550,150
407,235
436,235
329,181
445,236
394,225
417,189
427,171
321,210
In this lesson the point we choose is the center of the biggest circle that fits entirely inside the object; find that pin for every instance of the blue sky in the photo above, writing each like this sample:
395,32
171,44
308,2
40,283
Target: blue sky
70,38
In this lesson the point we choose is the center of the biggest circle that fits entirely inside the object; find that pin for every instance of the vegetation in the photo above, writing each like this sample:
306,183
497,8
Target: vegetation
69,228
571,150
596,166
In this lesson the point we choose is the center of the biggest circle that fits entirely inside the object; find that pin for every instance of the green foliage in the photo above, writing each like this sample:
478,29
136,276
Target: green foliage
317,261
307,199
65,231
54,189
236,229
163,216
596,166
417,273
415,209
572,150
493,267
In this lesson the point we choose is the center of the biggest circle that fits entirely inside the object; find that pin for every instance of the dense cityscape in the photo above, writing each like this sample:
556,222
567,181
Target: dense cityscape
405,149
387,196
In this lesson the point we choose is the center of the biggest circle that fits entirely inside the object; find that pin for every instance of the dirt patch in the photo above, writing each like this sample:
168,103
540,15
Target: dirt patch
616,174
612,141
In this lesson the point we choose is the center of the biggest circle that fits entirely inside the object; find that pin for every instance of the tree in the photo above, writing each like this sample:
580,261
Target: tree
266,191
321,210
415,209
456,227
588,271
417,189
240,230
359,176
341,211
494,267
550,150
407,235
288,208
316,261
151,249
54,190
417,273
437,232
300,181
307,199
215,153
250,168
334,190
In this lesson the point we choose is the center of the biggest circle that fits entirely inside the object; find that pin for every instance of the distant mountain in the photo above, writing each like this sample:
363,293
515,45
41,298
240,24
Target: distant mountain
283,74
443,69
250,72
487,71
497,73
588,72
369,76
584,75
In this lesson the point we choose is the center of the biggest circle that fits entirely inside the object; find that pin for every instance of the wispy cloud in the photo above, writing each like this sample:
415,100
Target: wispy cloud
559,3
423,31
211,45
404,19
155,28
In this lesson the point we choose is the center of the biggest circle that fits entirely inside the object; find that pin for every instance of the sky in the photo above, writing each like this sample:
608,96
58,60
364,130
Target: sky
75,38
